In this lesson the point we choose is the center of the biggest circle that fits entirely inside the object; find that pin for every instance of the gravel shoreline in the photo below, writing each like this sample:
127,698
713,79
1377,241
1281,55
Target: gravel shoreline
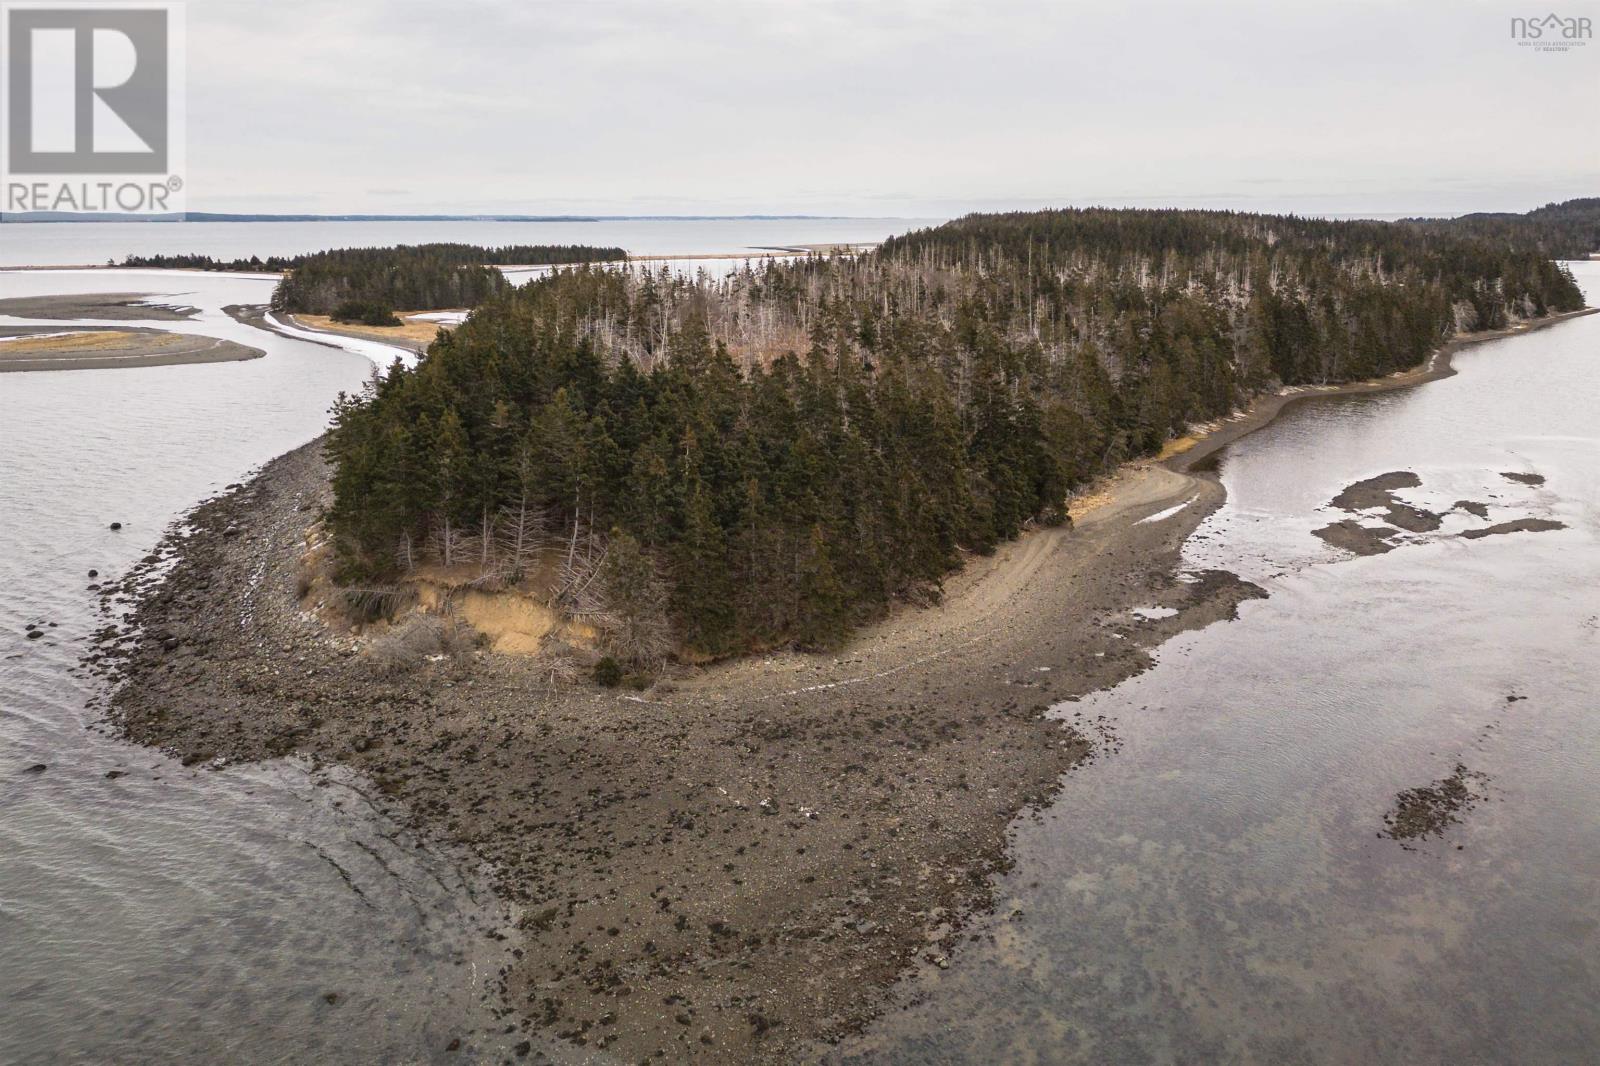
723,868
735,865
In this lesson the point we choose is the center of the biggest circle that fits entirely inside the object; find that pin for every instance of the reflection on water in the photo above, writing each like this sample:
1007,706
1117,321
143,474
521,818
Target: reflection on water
1218,891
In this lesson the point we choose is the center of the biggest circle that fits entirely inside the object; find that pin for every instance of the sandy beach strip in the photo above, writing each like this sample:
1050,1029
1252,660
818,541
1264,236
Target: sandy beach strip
381,352
23,349
415,333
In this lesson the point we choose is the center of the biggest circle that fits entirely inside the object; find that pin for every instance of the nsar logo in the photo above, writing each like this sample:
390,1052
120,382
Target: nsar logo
1552,33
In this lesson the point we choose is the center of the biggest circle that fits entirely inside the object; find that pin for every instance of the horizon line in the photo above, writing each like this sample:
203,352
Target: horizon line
253,216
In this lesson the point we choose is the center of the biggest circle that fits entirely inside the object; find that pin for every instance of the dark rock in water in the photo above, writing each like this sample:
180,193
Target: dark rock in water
330,997
35,634
1375,491
112,775
1412,519
1521,525
1379,492
36,768
1431,809
116,525
94,573
30,627
1526,479
1472,507
1355,538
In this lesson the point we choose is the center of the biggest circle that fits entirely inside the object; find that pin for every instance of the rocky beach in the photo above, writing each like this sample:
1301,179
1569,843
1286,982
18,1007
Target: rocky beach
735,863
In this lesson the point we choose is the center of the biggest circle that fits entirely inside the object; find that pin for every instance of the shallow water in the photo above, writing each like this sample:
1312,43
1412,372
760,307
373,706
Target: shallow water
1217,890
177,913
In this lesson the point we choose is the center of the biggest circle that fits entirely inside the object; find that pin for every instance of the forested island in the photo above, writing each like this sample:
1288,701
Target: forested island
367,285
774,458
1568,230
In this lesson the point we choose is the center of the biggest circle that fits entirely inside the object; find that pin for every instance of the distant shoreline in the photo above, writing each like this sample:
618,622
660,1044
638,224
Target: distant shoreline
771,251
206,216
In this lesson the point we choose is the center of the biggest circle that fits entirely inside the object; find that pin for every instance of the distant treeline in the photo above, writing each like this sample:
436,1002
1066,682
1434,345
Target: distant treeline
273,264
777,456
1569,230
501,255
419,277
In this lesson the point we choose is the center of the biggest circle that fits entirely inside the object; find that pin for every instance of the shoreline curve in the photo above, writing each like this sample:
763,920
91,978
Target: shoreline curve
768,844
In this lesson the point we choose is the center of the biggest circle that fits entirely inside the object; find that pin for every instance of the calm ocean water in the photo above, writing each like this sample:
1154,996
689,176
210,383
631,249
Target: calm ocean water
175,914
1217,891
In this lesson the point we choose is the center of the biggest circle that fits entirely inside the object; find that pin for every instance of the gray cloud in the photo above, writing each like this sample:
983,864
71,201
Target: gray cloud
889,108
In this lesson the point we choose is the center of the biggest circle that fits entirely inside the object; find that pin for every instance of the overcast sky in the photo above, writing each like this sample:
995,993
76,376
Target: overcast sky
906,109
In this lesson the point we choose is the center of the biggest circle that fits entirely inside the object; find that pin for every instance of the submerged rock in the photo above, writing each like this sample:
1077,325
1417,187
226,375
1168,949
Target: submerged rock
1353,537
1427,811
1375,491
1412,519
1521,525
